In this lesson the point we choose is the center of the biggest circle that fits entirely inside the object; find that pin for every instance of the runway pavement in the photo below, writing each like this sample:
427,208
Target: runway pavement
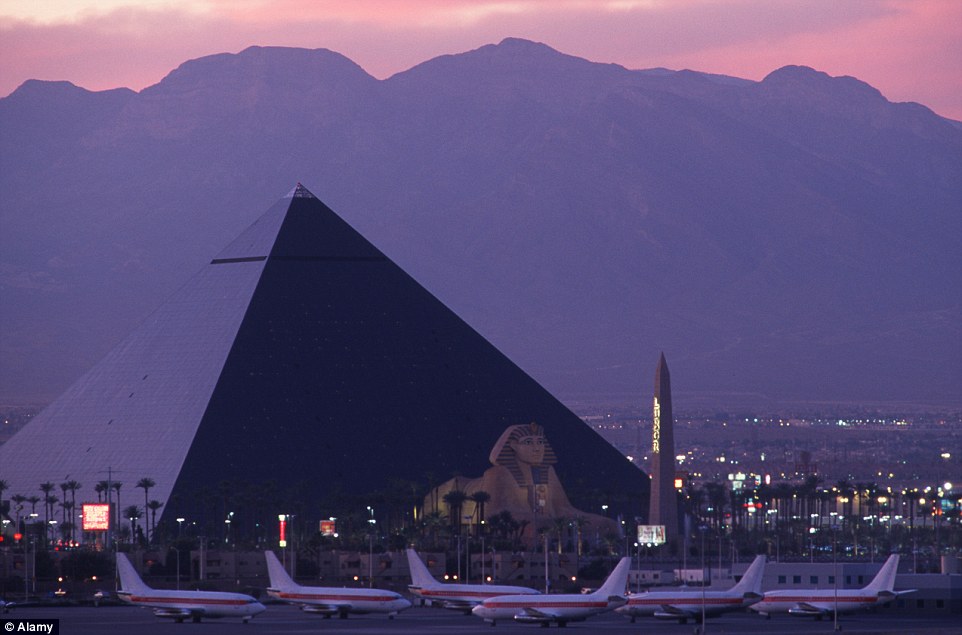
289,620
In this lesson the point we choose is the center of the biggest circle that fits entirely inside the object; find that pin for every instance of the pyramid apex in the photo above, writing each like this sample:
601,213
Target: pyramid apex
300,191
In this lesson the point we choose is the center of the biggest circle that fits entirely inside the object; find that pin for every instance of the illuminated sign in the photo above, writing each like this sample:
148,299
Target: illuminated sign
328,528
282,519
96,516
656,429
651,534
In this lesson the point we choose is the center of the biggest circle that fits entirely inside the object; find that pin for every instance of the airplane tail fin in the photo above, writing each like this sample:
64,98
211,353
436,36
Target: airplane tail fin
275,570
751,582
884,580
617,580
129,580
420,576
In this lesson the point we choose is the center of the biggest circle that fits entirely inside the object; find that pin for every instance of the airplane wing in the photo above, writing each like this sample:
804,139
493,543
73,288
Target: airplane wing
326,609
888,596
807,608
175,614
669,611
530,615
458,605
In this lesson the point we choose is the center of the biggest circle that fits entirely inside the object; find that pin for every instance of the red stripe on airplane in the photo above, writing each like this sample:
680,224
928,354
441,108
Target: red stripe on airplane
546,605
818,598
461,594
686,601
198,601
353,598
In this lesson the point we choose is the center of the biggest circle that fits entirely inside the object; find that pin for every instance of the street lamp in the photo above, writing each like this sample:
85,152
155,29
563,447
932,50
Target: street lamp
177,551
467,550
835,574
703,529
180,527
370,540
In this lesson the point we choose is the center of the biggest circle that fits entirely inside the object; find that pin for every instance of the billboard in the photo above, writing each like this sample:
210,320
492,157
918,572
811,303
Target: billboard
651,534
328,527
96,516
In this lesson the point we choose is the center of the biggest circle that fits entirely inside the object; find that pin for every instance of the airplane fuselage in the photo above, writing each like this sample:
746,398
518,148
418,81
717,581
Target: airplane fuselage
183,604
545,608
332,600
466,595
817,602
674,605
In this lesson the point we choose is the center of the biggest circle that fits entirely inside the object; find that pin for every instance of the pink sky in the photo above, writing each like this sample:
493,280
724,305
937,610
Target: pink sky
911,50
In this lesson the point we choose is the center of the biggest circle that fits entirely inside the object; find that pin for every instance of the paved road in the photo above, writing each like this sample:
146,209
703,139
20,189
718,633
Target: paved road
289,620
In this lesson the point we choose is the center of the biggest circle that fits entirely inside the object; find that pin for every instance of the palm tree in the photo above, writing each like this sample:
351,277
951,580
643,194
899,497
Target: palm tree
19,499
433,521
579,522
133,514
145,484
116,485
101,489
50,502
153,506
33,499
73,486
455,501
67,529
480,498
46,488
4,486
560,524
64,487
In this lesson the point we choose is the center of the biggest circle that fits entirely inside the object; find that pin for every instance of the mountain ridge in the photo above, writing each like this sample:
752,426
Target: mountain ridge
581,215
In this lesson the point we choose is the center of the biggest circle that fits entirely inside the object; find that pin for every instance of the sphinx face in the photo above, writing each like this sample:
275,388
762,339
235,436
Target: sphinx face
529,449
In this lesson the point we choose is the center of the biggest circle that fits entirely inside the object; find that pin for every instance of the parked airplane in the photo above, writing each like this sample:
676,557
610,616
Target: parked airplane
561,608
690,604
330,600
819,603
462,597
180,605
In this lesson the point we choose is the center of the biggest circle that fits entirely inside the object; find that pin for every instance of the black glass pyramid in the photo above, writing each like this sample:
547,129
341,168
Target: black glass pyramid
303,356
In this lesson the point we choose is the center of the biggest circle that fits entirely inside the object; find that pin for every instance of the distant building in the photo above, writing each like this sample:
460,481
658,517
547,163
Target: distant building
302,365
663,509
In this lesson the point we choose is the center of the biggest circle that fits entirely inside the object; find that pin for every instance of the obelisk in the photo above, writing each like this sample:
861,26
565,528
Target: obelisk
663,508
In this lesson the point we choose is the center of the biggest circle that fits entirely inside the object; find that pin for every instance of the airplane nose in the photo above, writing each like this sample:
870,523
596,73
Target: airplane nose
259,608
402,604
479,610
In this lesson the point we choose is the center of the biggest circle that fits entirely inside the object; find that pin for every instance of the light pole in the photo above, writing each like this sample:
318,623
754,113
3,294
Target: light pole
467,551
703,529
459,559
177,551
546,578
835,574
370,557
483,556
180,527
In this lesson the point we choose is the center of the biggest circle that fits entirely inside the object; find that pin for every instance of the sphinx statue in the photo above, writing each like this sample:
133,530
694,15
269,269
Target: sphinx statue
522,481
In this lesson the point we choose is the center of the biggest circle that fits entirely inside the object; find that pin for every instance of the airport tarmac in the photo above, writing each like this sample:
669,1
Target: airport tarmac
290,620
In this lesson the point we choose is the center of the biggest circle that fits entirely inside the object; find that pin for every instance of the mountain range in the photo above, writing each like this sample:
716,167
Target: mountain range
792,239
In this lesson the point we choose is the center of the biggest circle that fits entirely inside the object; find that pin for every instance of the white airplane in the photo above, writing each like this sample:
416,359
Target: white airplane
820,603
180,605
330,600
684,605
461,597
561,608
